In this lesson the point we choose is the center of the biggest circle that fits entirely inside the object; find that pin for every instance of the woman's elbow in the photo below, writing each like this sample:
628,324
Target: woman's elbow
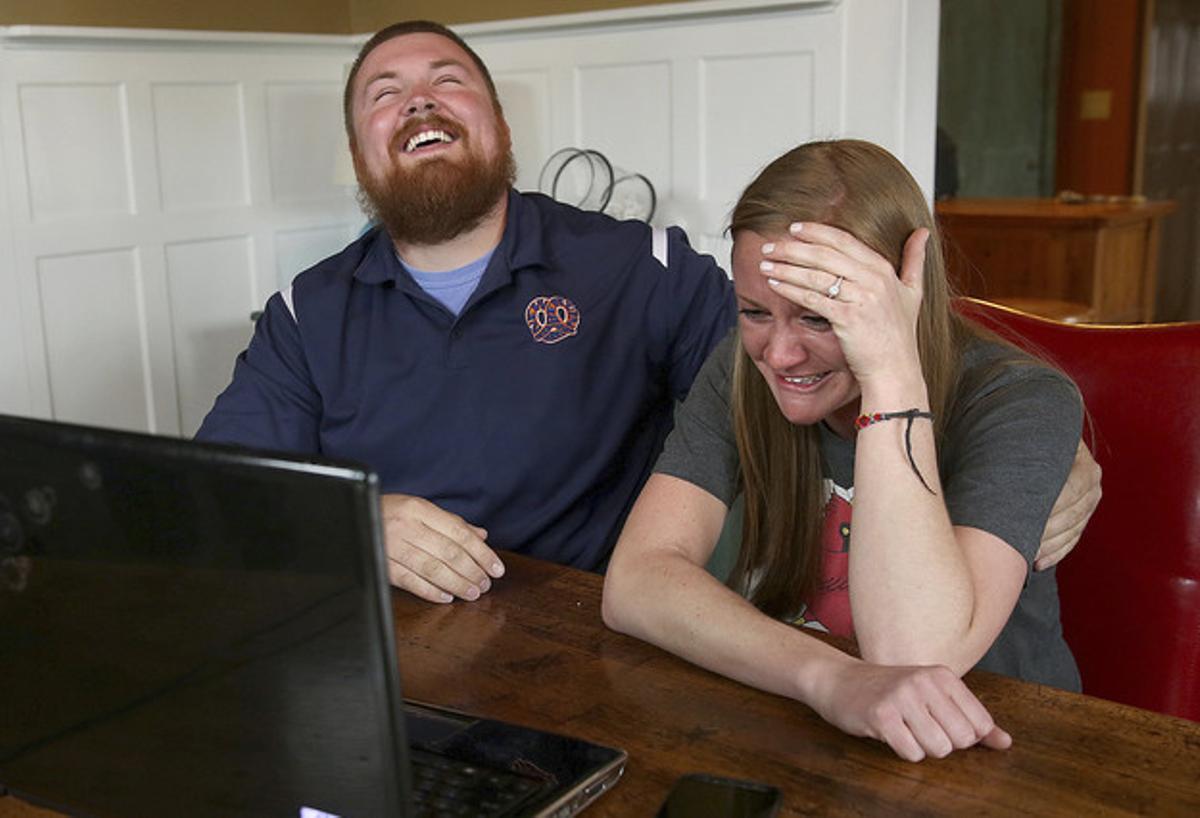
627,603
887,650
956,654
615,599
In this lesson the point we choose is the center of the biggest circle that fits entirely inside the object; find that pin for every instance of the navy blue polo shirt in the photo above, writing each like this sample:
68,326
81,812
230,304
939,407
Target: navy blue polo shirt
537,413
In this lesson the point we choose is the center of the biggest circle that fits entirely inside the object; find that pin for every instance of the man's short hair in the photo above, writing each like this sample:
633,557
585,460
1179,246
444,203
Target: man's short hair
399,30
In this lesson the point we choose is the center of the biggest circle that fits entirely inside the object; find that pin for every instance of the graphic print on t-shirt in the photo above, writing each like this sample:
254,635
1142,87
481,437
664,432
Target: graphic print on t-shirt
829,609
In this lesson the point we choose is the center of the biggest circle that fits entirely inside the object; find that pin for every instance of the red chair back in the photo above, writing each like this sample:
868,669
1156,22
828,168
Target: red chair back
1130,591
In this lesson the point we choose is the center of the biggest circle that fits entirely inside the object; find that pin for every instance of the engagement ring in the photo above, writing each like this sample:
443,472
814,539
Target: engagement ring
834,288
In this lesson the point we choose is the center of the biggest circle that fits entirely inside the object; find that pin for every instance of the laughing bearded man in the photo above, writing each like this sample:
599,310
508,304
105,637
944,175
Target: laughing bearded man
507,364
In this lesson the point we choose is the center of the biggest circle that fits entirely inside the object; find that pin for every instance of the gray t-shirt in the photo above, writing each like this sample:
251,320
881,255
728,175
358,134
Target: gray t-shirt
1007,453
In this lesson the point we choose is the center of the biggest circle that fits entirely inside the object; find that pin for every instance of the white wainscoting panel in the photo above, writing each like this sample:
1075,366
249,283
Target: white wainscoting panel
641,93
306,131
92,311
209,284
778,113
200,133
527,100
76,138
14,381
189,152
890,54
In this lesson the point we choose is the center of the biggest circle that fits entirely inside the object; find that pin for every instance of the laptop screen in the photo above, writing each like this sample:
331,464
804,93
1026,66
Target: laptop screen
187,630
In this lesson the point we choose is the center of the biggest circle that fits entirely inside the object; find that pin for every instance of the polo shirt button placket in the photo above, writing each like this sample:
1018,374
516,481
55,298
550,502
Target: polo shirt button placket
455,357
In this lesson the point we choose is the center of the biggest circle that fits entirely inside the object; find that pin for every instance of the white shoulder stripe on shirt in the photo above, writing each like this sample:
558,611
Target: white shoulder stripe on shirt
286,295
658,244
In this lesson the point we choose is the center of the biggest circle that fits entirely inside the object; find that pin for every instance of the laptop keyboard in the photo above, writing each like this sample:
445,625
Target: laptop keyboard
447,787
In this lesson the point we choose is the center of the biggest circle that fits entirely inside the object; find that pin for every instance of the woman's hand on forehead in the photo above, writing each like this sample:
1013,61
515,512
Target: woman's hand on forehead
871,306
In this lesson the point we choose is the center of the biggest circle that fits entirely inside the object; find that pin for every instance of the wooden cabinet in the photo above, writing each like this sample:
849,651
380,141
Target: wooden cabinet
1077,262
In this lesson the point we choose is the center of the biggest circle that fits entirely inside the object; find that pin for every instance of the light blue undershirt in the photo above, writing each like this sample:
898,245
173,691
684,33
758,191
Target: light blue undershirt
452,287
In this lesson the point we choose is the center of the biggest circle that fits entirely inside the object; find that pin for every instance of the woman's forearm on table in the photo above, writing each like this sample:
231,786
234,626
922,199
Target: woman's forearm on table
657,590
681,608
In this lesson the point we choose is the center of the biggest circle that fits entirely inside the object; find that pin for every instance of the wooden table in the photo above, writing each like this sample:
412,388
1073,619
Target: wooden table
534,651
1088,261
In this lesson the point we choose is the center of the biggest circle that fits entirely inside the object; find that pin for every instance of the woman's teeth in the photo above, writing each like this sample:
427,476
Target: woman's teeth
806,380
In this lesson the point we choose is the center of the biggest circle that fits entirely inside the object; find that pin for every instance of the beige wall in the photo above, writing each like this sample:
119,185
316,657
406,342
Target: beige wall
371,15
301,16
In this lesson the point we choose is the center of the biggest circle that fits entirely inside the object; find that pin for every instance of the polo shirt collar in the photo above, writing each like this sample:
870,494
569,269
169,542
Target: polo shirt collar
522,244
379,264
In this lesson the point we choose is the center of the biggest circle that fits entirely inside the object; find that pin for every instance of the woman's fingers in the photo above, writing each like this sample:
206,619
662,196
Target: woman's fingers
997,739
815,234
811,278
821,254
891,729
791,255
912,262
811,299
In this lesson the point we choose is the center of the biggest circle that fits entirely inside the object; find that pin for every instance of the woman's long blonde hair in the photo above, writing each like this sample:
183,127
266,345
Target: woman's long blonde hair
864,190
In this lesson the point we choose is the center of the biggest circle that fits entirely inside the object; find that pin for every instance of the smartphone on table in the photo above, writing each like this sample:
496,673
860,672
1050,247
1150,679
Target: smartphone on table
708,796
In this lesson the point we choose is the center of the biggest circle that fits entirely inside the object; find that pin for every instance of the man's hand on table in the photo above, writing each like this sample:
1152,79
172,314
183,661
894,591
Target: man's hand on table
1071,511
434,554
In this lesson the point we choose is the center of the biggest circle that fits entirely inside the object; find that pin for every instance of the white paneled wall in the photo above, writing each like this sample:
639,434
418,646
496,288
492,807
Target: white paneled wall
14,381
209,283
199,134
159,186
699,96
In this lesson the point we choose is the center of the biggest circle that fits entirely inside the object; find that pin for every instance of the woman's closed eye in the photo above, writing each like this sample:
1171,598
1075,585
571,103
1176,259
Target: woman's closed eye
754,314
814,321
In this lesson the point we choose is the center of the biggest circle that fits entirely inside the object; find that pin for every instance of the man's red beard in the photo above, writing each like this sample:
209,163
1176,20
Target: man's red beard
435,199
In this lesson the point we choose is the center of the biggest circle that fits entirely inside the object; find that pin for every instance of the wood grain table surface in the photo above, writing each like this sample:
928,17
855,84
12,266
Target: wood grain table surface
534,651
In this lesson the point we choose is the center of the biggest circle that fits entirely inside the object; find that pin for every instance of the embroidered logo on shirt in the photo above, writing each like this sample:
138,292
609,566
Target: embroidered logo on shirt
552,318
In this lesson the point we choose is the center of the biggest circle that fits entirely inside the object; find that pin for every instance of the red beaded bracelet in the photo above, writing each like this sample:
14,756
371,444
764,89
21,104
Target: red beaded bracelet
865,420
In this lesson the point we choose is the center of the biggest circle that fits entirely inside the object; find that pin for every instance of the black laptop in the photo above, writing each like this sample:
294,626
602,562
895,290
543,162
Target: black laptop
197,630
